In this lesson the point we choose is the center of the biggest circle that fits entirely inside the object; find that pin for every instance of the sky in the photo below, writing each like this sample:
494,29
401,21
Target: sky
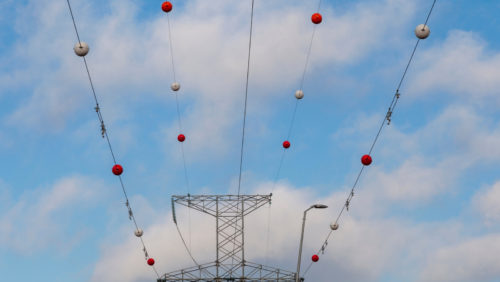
426,209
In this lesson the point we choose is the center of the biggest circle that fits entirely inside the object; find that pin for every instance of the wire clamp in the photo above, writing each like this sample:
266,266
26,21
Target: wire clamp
388,116
103,129
324,247
130,214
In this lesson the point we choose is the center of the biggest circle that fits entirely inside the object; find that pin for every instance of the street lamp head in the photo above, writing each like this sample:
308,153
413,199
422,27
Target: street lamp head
320,206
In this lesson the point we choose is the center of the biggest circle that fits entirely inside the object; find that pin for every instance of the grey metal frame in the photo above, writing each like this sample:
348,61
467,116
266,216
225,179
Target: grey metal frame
230,264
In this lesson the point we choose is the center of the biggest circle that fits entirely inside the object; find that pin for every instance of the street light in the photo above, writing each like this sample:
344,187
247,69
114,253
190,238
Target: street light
316,206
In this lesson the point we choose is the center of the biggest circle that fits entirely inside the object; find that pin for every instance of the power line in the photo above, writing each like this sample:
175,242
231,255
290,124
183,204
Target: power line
246,97
292,120
171,48
301,87
175,88
244,114
387,119
105,135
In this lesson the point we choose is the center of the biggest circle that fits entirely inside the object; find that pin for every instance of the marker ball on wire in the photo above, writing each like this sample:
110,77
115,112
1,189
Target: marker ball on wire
117,169
299,94
181,137
315,258
166,6
151,261
422,31
138,232
81,49
175,86
286,144
334,226
316,18
366,160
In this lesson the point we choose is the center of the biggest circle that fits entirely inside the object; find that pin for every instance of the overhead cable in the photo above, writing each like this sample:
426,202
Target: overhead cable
386,120
105,135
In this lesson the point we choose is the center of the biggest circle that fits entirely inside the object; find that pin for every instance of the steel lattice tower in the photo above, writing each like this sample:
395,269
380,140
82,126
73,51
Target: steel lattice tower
230,264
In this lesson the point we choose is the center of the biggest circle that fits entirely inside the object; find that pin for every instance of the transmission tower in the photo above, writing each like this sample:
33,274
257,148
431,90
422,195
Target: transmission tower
230,264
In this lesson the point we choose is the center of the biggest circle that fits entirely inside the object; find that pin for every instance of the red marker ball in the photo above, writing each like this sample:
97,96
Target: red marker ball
166,6
316,18
315,258
117,169
286,144
181,137
151,261
366,160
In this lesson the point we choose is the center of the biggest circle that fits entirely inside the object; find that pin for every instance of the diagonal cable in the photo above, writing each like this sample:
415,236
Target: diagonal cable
290,128
106,136
246,97
179,121
386,118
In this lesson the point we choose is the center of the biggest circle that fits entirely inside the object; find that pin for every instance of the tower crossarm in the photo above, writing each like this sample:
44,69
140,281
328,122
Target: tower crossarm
223,205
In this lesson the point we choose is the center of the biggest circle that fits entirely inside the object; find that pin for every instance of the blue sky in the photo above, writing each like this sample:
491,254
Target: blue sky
427,209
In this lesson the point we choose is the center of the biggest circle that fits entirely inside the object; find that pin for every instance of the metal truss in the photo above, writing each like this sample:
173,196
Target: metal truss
207,272
230,265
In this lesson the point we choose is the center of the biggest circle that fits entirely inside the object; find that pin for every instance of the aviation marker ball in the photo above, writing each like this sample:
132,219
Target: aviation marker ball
299,94
366,160
151,261
286,144
117,169
315,258
316,18
166,6
422,31
181,137
175,86
81,49
138,232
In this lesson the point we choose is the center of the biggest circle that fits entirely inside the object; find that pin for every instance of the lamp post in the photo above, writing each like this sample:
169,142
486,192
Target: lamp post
316,206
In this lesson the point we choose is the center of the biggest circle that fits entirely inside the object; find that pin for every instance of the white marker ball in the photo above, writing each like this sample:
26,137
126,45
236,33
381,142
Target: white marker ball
81,49
175,86
299,94
422,31
138,232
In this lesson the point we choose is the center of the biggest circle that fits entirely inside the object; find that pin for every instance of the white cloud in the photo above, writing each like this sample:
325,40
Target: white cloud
472,260
39,218
414,181
461,65
129,60
361,250
415,166
487,202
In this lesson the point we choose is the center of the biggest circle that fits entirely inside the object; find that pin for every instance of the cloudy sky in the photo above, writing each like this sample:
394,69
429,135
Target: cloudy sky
427,209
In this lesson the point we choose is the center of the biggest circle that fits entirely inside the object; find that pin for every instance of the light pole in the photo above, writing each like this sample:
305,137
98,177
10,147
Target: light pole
317,206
